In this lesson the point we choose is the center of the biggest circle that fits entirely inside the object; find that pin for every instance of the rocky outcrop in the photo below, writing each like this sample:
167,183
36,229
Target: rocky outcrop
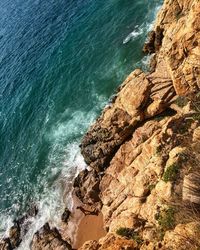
154,41
141,97
18,230
180,45
111,242
86,187
49,239
144,149
188,234
151,184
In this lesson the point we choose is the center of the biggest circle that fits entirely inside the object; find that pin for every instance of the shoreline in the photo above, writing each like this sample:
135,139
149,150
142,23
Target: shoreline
81,227
139,152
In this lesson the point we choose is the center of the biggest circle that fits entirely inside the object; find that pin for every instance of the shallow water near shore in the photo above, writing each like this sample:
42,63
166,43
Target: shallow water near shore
60,63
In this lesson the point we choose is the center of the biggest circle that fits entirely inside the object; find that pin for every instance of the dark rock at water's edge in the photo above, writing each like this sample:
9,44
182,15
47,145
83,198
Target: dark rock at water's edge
49,239
149,46
154,41
65,216
19,229
86,187
15,235
110,139
5,244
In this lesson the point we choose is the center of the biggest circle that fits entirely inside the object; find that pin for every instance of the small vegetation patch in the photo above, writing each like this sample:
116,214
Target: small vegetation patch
185,126
196,116
125,232
130,234
171,173
166,219
151,187
181,101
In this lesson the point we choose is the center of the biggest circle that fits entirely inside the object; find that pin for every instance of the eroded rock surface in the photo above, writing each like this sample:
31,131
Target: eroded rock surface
141,97
49,239
180,45
110,242
145,147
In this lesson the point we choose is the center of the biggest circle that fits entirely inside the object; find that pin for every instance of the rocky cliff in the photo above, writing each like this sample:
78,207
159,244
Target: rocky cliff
143,152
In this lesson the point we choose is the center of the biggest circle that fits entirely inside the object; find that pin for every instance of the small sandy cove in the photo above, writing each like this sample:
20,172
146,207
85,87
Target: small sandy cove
84,224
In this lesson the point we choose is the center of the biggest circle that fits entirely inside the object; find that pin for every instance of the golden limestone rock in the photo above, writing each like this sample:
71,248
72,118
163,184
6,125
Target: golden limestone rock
180,49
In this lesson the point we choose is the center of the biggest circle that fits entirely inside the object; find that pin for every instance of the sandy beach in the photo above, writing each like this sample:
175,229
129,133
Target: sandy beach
90,228
83,224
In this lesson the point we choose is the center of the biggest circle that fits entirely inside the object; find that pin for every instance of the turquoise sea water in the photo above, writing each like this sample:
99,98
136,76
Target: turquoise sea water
60,62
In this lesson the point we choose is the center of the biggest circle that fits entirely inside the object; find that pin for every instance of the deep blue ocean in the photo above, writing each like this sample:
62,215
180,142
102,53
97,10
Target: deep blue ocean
60,62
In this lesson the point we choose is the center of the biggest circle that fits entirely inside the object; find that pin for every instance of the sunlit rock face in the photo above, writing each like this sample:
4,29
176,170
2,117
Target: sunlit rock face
146,144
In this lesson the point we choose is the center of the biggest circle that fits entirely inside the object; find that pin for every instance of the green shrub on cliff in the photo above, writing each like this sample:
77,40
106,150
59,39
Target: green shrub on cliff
166,219
171,173
129,233
125,232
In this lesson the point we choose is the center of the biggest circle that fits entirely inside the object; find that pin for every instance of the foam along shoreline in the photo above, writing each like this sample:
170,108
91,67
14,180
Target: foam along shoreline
139,30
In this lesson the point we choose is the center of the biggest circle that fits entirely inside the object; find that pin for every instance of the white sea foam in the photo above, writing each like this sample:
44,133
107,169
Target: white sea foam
146,61
144,28
56,197
138,31
134,34
6,223
77,123
65,161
